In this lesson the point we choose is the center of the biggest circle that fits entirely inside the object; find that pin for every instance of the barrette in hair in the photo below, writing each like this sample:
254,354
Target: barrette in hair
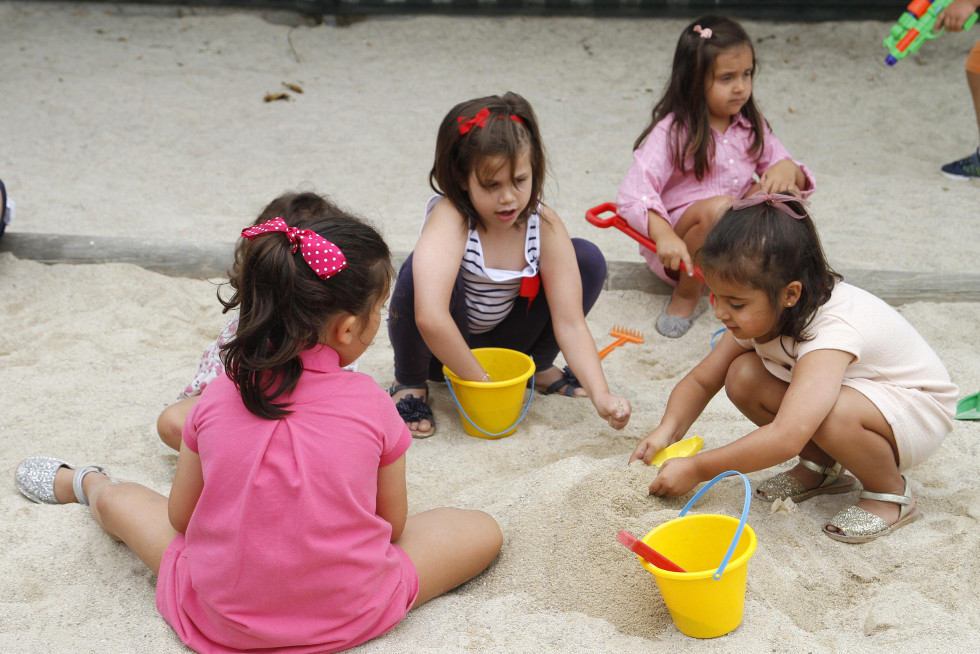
324,257
779,201
480,120
705,33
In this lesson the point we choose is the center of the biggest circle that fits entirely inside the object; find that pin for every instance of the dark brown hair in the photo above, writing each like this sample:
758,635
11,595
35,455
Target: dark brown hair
766,249
500,136
684,95
284,307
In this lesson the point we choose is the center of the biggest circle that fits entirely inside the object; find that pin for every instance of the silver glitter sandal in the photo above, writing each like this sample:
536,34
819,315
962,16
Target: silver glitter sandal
785,485
855,525
35,479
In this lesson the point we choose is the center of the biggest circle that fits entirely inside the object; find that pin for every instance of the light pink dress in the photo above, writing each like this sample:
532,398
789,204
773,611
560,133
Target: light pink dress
893,366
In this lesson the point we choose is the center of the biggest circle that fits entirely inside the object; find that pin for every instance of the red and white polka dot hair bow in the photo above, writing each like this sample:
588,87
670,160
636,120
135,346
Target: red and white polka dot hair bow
324,257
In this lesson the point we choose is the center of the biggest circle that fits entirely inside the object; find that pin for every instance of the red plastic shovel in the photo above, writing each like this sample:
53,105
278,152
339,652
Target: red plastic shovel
652,556
617,221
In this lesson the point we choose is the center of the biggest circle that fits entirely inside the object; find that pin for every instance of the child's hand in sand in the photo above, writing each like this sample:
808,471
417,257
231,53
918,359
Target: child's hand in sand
676,477
655,441
614,410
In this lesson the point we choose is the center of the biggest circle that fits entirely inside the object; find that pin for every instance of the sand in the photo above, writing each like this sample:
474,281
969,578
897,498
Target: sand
150,123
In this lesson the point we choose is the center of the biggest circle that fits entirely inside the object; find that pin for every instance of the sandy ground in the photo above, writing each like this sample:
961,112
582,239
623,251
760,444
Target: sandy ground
119,121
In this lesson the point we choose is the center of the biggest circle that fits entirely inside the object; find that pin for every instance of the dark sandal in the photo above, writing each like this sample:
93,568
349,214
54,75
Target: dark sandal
568,380
412,408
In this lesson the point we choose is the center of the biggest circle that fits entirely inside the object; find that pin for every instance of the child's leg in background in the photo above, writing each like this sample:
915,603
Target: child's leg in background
973,80
413,359
529,329
693,227
170,424
969,167
126,511
855,433
449,547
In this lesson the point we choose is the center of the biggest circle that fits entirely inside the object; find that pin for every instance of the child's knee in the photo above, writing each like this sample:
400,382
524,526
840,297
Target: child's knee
720,204
741,380
495,537
491,537
592,269
170,426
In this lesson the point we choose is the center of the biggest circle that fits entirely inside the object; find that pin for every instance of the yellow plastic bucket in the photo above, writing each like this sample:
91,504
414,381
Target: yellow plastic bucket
493,409
709,599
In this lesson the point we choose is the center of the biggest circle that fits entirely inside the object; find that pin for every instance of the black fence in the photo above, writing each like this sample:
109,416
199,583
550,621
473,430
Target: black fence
782,10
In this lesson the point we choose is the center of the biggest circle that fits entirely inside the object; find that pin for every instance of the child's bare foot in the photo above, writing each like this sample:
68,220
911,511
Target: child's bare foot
563,381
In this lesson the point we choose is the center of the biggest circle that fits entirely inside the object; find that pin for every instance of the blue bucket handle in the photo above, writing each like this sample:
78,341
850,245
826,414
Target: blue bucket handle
459,406
741,524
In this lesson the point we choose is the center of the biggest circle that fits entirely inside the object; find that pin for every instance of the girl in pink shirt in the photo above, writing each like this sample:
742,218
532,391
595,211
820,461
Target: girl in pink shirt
286,528
706,144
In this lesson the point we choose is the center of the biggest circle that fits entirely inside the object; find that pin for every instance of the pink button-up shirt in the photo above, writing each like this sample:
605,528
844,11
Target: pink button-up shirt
654,184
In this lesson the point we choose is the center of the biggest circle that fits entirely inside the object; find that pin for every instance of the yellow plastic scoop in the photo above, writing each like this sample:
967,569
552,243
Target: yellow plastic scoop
686,447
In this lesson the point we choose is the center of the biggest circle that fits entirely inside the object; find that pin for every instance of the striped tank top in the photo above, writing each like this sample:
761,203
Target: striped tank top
490,292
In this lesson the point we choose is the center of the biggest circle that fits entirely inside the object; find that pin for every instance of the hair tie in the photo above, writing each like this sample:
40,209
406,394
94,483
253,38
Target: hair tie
779,201
324,257
705,33
480,120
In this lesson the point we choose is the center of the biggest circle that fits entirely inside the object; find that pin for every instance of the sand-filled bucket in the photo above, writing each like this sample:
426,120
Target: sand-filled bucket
493,409
708,600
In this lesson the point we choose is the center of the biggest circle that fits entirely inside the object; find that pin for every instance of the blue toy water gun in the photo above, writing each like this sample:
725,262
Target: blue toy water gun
915,27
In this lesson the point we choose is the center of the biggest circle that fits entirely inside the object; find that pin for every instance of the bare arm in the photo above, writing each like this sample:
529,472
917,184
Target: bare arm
392,496
435,264
689,398
811,395
186,489
563,287
671,248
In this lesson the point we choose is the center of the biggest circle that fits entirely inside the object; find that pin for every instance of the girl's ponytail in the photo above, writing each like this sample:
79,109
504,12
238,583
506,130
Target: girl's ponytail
291,276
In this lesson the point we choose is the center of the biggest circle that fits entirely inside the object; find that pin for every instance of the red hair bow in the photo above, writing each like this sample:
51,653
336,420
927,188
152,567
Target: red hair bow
480,120
324,257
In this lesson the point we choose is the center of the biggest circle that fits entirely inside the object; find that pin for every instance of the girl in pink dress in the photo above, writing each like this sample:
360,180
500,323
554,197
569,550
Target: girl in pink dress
286,528
706,144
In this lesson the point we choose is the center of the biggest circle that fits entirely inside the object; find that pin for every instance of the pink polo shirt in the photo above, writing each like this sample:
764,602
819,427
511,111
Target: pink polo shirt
654,184
284,551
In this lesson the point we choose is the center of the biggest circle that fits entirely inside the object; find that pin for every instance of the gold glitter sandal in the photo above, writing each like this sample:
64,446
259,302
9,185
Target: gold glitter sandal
784,485
855,525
